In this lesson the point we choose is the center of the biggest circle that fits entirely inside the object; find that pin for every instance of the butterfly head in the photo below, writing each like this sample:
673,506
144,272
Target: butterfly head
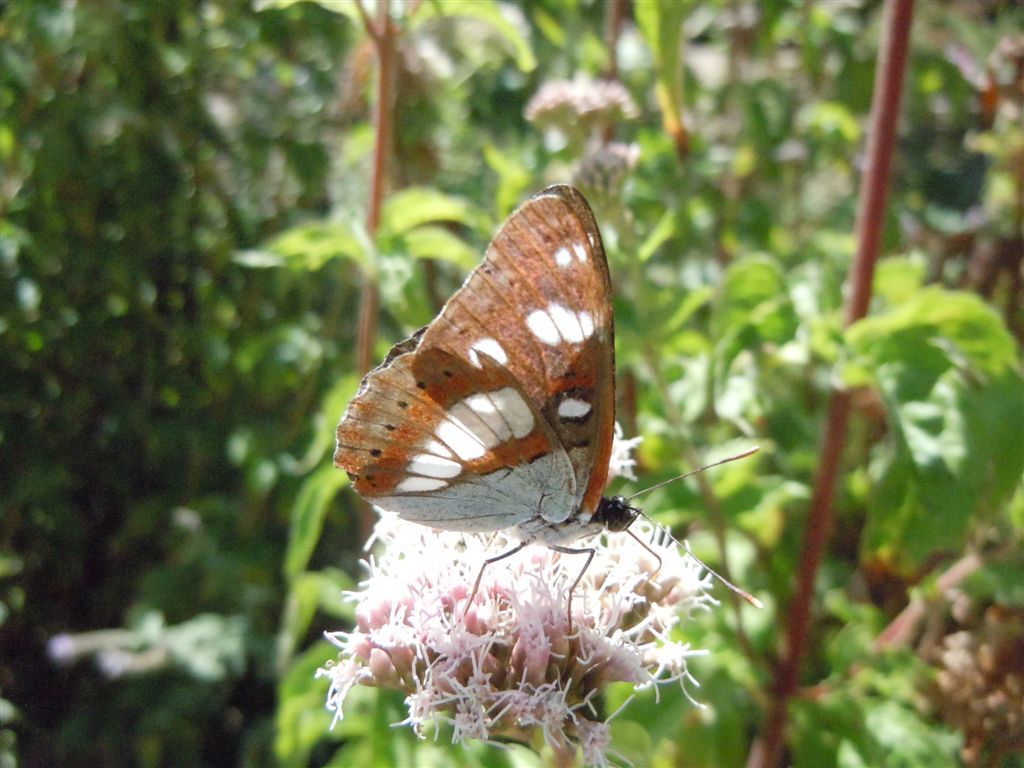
615,513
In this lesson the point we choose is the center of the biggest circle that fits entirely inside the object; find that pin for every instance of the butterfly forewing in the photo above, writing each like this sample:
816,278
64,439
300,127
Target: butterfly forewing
501,410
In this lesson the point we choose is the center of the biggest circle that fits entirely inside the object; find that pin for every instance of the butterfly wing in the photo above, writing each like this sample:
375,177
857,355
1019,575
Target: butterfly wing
502,409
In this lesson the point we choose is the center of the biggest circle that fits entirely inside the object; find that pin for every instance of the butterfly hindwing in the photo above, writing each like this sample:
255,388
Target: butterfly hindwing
502,409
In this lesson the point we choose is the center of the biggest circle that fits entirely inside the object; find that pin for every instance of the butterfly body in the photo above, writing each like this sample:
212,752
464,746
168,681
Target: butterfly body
500,413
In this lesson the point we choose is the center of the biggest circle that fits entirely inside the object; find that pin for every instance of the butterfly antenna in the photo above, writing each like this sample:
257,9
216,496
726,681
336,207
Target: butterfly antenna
686,545
741,592
726,460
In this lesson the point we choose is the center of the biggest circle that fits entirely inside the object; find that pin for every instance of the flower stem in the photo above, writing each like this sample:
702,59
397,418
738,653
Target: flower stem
382,32
767,749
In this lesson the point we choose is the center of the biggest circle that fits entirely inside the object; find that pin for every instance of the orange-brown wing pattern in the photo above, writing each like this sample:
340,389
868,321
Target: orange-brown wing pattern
502,409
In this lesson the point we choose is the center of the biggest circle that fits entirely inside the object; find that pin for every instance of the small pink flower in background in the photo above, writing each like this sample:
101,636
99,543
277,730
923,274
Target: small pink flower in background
582,100
511,666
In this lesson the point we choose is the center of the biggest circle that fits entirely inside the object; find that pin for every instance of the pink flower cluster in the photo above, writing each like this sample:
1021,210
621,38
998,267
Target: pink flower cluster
512,665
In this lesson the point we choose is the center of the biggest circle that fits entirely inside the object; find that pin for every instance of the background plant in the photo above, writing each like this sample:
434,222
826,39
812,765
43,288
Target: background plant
187,249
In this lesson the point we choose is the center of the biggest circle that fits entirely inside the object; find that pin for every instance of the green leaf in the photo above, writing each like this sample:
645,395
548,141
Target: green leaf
963,320
344,8
905,740
308,511
309,246
753,307
1001,582
945,367
830,120
662,232
415,206
310,592
302,720
513,178
431,242
332,406
661,24
682,311
765,515
490,13
748,284
899,279
549,26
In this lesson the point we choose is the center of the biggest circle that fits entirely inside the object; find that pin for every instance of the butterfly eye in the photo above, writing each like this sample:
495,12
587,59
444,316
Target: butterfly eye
615,514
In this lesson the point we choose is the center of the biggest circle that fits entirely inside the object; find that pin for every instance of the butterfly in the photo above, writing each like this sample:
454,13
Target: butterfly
500,413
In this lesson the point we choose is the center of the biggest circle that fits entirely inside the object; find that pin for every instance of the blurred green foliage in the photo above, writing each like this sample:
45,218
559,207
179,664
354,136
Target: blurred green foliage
182,243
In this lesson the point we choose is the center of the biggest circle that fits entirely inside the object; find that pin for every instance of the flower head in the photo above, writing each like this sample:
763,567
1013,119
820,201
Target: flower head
580,107
605,167
511,664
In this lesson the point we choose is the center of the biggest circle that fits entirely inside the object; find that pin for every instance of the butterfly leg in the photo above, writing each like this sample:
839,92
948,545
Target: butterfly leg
655,554
589,552
479,576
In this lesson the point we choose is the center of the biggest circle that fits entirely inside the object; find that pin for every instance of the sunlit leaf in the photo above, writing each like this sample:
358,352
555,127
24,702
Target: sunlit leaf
307,517
438,243
415,206
513,178
309,592
332,406
946,369
662,27
662,232
301,719
308,247
495,15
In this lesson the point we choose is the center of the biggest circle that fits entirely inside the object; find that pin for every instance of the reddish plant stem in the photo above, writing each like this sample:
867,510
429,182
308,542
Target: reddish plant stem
889,75
615,10
874,186
368,23
382,32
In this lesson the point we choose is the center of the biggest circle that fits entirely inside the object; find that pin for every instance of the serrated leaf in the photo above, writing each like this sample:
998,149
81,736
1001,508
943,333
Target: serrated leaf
945,368
963,319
